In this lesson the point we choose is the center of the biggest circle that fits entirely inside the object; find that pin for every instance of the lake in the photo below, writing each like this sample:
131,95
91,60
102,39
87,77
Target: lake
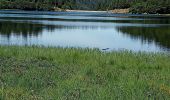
149,33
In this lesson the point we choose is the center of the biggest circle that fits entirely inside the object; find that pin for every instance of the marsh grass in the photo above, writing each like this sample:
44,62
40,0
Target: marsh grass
40,73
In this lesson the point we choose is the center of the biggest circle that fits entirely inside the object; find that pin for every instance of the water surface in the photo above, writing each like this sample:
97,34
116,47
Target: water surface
150,33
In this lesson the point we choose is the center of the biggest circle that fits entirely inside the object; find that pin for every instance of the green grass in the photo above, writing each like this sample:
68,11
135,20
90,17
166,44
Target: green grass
37,73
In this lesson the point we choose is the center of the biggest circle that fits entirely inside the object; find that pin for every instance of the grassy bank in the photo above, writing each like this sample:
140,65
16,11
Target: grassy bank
68,73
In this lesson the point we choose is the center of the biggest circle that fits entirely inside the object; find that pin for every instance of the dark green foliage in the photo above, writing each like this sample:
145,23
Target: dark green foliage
24,5
152,7
137,6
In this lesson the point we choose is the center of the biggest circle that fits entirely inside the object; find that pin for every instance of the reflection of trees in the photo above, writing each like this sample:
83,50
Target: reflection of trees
7,28
25,29
160,35
145,20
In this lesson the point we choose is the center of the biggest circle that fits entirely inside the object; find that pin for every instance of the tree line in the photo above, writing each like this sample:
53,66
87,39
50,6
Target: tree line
136,6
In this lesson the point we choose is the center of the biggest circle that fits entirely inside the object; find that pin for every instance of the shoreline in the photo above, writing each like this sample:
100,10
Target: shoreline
83,11
115,11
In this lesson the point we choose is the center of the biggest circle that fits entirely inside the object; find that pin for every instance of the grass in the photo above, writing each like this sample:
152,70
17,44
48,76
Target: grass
37,73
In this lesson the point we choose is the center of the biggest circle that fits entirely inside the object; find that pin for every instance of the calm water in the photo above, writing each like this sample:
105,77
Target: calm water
86,29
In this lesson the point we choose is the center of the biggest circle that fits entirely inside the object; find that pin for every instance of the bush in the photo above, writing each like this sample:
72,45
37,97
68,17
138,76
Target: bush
150,7
24,5
164,10
5,5
138,8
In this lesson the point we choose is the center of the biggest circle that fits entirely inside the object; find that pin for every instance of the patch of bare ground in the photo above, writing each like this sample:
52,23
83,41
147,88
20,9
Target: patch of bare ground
120,11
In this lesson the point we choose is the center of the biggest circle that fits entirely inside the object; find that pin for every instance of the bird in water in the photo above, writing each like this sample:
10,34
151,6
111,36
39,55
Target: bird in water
105,49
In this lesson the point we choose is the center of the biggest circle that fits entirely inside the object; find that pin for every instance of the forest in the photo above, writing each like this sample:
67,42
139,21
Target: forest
136,6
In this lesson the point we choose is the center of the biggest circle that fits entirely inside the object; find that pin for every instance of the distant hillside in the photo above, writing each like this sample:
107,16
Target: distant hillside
136,6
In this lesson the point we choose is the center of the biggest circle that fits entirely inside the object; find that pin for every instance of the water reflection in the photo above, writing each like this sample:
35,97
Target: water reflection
160,35
132,33
24,28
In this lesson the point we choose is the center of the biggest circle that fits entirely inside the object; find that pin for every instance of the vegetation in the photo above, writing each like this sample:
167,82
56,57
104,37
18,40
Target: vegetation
69,73
152,7
137,6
